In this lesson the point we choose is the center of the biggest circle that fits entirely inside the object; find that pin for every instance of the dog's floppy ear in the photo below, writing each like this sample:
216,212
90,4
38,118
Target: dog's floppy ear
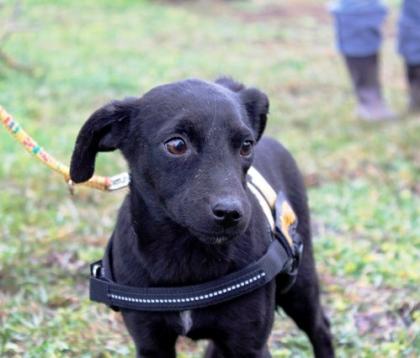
104,131
256,103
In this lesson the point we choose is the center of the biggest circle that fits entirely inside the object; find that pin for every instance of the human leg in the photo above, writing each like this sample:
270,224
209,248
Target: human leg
358,37
409,48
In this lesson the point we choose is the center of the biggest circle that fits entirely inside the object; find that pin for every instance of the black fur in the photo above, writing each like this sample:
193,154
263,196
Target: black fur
170,230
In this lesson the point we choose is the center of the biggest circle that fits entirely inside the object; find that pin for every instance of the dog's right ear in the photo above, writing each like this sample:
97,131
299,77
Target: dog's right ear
255,102
104,131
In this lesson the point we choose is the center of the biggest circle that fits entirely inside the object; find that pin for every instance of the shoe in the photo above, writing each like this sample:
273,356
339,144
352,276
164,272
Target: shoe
413,77
364,72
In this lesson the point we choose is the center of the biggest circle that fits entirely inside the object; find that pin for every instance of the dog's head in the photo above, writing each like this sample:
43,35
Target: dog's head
188,145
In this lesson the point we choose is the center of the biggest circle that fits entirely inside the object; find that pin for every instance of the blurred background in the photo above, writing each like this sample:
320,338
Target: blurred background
60,60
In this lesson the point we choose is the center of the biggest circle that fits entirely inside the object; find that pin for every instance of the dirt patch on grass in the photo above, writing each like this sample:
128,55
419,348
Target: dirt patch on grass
274,12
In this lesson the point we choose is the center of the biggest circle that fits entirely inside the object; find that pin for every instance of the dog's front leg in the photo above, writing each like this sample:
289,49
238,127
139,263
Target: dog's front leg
156,345
155,352
152,336
218,351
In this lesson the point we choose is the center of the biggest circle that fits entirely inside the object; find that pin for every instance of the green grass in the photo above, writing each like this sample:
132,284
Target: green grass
364,180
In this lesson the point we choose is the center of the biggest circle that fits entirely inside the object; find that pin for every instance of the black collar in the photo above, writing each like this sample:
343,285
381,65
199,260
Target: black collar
280,258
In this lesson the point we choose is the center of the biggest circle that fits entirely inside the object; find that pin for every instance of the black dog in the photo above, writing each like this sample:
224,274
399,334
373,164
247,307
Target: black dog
189,217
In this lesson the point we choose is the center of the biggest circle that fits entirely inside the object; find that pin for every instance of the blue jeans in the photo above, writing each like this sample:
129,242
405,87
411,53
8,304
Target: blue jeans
358,28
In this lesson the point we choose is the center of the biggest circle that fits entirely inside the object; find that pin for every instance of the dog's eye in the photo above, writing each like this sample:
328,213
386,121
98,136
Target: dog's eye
176,146
246,148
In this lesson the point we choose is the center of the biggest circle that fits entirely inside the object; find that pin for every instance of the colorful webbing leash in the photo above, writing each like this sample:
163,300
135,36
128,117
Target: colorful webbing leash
98,182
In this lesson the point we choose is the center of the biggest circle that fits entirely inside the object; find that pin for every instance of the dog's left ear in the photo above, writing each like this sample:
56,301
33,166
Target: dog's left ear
104,131
256,103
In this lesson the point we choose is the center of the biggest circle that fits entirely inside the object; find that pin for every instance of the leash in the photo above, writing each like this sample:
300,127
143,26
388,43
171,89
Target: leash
97,182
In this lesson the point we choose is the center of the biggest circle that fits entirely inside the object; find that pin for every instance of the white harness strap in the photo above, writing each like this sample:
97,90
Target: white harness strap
263,203
263,192
262,185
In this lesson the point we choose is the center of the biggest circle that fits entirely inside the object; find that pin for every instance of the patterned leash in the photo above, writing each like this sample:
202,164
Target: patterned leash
97,182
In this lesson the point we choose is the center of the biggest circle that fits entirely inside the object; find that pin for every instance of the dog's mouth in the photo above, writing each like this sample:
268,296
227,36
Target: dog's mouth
212,238
215,240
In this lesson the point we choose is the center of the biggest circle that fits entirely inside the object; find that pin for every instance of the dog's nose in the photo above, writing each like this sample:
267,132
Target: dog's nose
227,211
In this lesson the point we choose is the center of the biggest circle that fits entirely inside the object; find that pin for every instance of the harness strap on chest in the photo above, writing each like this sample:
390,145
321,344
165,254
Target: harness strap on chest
238,283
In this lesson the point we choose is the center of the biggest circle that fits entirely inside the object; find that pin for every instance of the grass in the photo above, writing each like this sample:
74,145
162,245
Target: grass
363,180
